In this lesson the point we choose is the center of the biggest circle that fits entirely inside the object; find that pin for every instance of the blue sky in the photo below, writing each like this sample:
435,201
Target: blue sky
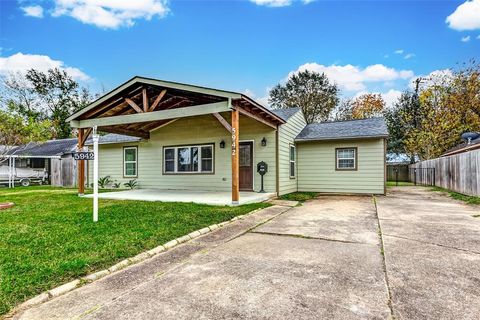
246,46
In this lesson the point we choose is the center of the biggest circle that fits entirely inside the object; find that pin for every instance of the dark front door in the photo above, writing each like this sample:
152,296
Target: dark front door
246,166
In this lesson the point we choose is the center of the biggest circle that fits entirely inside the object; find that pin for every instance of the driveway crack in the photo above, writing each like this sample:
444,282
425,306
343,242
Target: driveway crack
249,230
382,251
432,243
293,235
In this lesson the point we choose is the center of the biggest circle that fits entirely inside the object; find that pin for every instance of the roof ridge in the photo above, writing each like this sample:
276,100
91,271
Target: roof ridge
344,129
347,120
63,139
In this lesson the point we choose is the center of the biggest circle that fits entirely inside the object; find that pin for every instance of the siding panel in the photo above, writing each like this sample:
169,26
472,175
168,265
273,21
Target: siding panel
316,167
195,130
286,135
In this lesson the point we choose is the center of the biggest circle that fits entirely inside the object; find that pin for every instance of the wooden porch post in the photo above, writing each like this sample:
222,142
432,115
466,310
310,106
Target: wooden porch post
235,151
81,163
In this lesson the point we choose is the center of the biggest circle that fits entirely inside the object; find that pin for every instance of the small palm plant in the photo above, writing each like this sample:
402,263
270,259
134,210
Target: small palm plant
116,185
132,184
104,181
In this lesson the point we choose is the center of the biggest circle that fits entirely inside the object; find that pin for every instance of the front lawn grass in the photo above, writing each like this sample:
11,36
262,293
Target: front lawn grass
459,196
48,237
299,196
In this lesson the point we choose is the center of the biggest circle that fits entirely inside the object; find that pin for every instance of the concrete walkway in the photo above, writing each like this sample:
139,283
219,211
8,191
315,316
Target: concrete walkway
216,198
322,260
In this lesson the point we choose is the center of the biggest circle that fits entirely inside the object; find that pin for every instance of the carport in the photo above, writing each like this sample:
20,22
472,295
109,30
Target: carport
142,105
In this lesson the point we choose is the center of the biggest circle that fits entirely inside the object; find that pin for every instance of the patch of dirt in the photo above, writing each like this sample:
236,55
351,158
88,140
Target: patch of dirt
6,205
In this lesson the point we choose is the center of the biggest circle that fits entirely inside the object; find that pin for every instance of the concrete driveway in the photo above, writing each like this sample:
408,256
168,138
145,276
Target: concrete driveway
322,260
432,253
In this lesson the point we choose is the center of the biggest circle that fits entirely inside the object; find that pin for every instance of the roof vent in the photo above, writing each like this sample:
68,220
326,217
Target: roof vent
469,136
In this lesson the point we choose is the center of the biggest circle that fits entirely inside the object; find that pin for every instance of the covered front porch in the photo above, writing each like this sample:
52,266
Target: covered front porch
216,198
190,138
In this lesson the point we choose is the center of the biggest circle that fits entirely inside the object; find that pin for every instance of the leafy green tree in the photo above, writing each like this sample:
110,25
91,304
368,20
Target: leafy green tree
343,111
51,95
450,106
368,105
311,91
15,131
403,118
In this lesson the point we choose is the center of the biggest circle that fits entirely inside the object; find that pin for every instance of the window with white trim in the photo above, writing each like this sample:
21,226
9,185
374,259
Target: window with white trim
188,159
346,159
130,162
292,161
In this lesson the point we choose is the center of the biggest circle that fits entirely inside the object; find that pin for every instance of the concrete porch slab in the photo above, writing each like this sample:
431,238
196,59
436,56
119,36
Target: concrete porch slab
217,198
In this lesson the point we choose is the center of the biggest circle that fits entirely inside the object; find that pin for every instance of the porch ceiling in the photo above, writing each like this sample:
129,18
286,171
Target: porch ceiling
142,105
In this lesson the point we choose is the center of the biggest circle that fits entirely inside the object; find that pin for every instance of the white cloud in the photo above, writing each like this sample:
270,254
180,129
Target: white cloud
399,51
354,78
111,14
433,77
465,39
278,3
409,55
262,100
272,3
20,62
466,16
249,93
33,11
390,97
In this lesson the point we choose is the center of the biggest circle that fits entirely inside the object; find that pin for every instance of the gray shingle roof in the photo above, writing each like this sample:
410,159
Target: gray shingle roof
285,114
113,138
349,129
49,148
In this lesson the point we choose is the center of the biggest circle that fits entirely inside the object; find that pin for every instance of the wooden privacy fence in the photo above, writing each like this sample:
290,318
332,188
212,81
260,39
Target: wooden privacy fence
459,172
422,176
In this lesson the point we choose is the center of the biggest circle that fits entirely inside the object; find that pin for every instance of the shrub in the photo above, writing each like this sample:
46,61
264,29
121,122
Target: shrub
132,184
104,181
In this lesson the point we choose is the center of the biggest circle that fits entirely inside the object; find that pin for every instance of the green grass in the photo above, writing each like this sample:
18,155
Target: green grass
400,184
49,238
299,196
459,196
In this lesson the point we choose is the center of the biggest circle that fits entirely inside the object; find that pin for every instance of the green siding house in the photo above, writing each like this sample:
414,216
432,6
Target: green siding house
173,136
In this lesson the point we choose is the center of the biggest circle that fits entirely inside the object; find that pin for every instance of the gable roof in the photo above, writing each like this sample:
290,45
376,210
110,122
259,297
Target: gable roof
50,148
285,114
178,87
141,105
113,138
348,129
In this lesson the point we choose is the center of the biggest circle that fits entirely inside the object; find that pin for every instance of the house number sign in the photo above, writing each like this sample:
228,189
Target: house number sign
83,156
234,138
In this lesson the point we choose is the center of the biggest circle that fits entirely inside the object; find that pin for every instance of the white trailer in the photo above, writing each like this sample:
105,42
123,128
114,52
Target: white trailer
11,175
